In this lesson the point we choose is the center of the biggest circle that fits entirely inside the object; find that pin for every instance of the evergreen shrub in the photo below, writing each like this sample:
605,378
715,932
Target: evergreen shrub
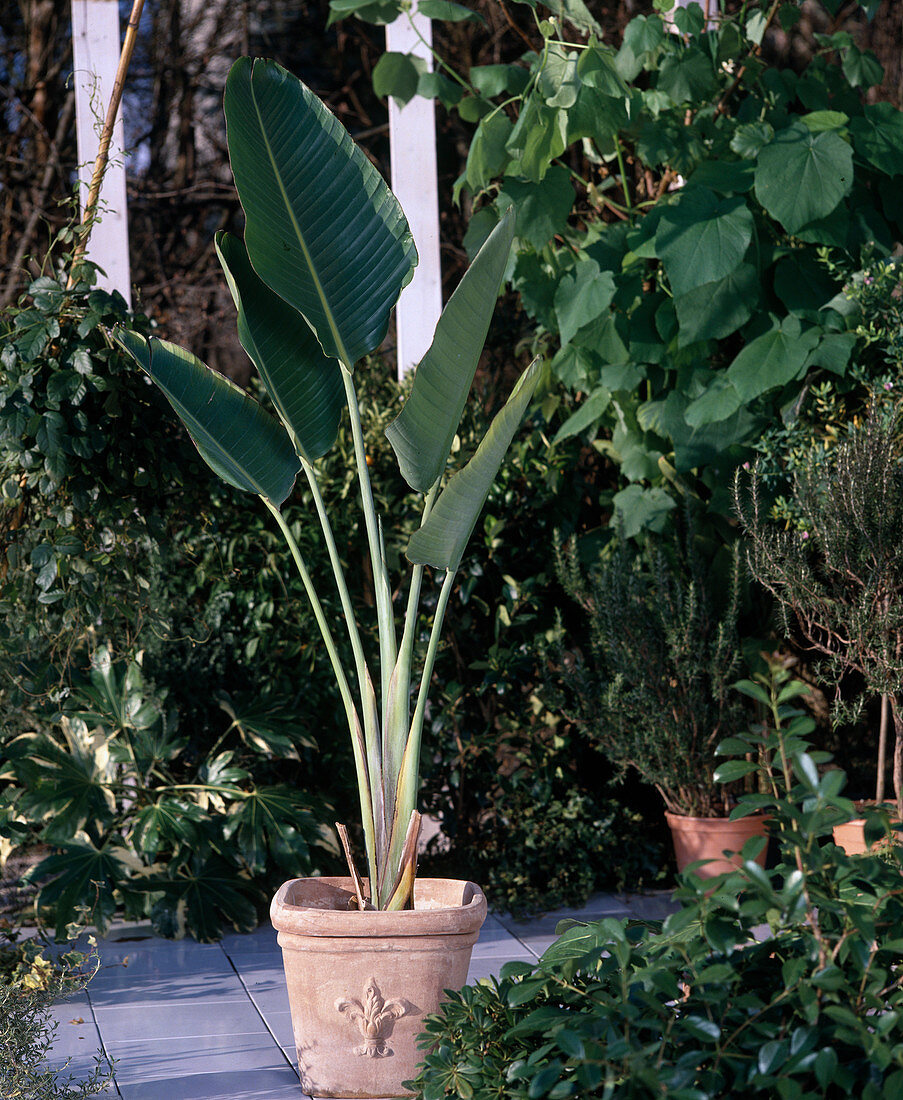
781,983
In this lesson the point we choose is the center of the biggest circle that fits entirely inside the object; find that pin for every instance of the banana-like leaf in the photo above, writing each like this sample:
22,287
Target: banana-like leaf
440,542
423,431
238,439
305,385
322,228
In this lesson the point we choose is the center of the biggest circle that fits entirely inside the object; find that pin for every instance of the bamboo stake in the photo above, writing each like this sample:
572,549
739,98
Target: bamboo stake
882,750
106,136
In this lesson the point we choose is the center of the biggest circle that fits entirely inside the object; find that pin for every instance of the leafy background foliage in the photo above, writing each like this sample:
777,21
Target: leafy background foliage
687,216
700,1005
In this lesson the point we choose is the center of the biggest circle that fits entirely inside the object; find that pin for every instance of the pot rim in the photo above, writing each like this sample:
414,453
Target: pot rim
757,817
464,918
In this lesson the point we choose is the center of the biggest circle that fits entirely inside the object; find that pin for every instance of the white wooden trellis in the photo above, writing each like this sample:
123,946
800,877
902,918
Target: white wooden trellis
412,136
412,144
95,50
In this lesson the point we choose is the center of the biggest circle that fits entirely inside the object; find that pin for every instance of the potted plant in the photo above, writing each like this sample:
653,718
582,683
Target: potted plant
654,693
325,254
837,572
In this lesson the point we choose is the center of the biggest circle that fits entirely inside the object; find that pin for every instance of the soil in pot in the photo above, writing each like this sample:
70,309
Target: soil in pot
709,837
360,984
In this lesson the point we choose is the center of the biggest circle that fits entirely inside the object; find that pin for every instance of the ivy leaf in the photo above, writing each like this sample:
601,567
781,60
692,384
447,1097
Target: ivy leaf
448,12
728,177
687,77
596,69
772,359
588,413
861,68
878,137
493,80
718,402
703,238
802,176
488,154
638,509
715,310
558,82
750,137
833,352
582,295
542,209
539,136
577,14
397,75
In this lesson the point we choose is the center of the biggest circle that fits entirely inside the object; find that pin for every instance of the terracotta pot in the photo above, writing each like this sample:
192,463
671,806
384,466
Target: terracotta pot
360,984
851,834
709,837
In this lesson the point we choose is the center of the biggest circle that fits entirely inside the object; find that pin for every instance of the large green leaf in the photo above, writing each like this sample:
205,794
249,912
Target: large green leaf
772,359
241,442
703,238
878,136
267,818
715,310
200,898
583,294
422,433
802,176
82,882
440,542
305,385
65,790
322,228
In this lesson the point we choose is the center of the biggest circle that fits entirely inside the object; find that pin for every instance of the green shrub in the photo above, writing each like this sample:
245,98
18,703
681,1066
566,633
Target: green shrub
687,215
135,821
93,481
781,983
653,689
30,983
212,610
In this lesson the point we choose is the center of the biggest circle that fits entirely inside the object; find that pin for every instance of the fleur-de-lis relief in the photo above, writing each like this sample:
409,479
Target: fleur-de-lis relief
372,1014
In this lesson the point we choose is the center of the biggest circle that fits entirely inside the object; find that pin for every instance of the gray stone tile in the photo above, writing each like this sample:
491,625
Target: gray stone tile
76,1033
280,1024
180,1020
271,999
166,985
205,1068
490,966
263,939
260,972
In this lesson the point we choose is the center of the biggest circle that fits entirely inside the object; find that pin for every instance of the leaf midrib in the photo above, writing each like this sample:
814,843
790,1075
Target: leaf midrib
339,342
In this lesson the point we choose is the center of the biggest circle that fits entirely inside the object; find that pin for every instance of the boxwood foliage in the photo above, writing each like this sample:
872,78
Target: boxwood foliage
678,198
774,984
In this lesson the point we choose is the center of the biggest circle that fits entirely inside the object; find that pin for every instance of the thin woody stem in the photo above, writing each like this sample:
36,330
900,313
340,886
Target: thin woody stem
106,136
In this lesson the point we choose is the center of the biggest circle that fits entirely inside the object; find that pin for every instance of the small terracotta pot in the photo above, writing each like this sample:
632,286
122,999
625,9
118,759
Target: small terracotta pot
709,837
850,835
360,984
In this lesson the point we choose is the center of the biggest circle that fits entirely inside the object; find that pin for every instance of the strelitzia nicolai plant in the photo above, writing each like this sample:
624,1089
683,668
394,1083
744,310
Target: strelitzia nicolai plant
325,255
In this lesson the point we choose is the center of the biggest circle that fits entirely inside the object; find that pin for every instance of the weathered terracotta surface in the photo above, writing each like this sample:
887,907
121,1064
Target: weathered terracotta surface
851,834
708,837
359,984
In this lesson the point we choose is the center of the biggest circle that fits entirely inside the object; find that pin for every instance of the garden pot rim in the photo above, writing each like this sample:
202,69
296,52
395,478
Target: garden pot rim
319,907
727,820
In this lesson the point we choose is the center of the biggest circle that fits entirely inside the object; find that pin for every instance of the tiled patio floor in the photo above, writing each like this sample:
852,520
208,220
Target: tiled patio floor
190,1021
